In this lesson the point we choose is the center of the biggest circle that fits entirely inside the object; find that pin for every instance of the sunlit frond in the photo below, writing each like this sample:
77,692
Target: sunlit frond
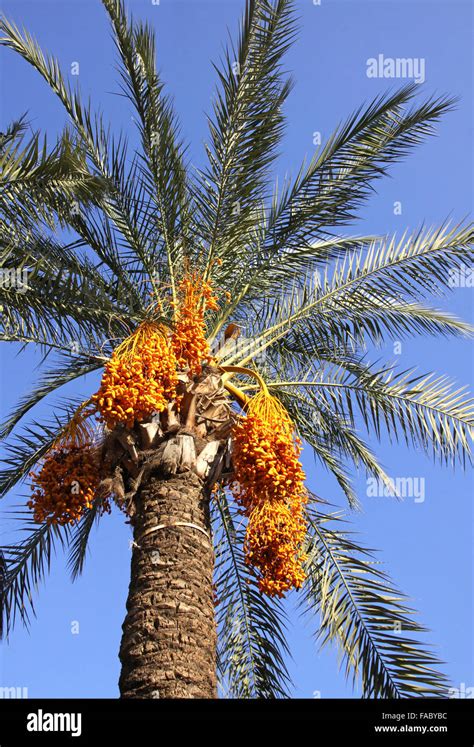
366,616
245,129
26,564
252,645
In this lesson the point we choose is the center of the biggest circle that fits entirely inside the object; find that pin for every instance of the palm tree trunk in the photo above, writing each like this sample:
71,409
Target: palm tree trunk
168,647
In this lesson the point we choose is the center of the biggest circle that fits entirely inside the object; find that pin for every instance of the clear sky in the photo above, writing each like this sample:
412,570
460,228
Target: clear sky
71,649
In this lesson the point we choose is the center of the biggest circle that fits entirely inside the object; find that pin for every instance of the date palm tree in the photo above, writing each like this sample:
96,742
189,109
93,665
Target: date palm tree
106,235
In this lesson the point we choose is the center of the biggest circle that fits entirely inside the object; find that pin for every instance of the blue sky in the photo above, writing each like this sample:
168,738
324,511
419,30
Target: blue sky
426,545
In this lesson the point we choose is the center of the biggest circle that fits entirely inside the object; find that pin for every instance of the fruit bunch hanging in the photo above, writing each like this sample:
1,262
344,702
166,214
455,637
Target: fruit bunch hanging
140,378
269,485
142,375
195,297
67,479
65,485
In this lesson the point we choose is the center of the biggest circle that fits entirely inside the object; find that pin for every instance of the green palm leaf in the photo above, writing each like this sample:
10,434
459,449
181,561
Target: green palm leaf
80,536
425,411
246,128
26,563
366,616
251,628
51,381
162,163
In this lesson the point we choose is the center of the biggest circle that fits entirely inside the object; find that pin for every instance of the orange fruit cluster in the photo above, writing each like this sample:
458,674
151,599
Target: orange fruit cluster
140,378
65,485
195,297
270,488
273,537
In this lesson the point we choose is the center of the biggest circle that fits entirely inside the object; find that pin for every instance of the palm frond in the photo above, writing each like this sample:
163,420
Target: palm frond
263,275
34,179
26,565
15,130
385,278
366,616
105,155
55,293
325,195
417,265
426,411
341,337
79,540
49,346
341,174
246,127
50,382
163,166
251,644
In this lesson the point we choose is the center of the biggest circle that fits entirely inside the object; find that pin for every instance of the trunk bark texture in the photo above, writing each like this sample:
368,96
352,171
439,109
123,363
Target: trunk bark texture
168,647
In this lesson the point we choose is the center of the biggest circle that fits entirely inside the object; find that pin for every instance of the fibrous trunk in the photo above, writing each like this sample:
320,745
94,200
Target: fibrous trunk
168,646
